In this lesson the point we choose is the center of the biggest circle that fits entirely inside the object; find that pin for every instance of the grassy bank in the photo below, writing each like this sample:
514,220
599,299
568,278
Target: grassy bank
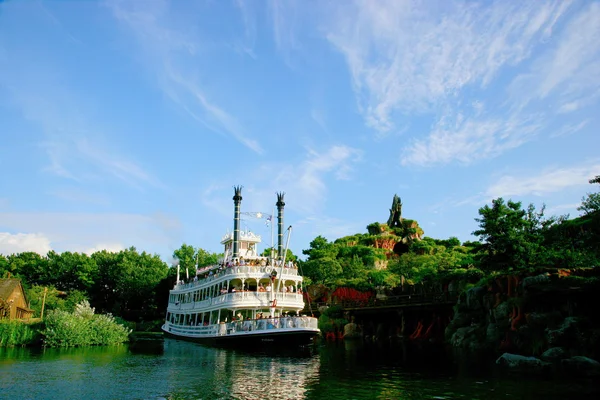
19,333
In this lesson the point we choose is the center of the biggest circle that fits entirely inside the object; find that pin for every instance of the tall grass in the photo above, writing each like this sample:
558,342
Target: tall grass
19,333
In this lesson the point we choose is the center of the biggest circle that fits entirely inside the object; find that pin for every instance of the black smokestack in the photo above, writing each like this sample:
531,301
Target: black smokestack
237,199
280,204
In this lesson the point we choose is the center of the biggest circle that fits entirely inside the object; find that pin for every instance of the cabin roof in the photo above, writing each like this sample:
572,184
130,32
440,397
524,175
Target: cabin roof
8,285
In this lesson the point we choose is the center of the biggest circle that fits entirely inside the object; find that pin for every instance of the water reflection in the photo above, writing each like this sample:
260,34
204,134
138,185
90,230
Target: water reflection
238,374
172,369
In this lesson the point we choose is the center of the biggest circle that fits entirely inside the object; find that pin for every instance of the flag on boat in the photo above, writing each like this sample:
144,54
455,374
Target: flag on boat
269,218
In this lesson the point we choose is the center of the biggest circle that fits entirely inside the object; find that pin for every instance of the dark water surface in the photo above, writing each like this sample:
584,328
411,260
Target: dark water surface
180,370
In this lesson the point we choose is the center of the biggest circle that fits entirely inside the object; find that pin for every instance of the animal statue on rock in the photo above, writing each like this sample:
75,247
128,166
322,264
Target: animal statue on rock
395,213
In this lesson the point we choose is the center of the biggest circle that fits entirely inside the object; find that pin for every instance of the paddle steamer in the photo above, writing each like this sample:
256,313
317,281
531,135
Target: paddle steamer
246,298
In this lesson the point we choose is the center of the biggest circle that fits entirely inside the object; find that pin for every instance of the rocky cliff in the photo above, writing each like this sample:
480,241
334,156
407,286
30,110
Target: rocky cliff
541,322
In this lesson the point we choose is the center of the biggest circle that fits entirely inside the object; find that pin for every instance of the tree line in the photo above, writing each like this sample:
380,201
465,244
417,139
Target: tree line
134,285
129,284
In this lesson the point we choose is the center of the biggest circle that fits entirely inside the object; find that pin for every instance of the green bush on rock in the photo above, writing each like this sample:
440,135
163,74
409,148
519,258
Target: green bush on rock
82,328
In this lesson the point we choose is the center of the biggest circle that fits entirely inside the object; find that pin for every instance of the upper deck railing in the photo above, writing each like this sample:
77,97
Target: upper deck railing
239,299
249,270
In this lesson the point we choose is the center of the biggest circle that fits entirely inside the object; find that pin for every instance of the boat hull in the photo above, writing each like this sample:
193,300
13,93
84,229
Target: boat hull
263,339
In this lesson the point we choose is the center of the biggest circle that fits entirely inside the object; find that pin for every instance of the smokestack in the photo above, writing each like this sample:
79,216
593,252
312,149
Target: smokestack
237,199
280,204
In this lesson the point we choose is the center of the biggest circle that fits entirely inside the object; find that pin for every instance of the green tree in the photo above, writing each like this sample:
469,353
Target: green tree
186,255
71,271
103,293
321,265
29,266
205,258
353,267
289,255
136,281
512,237
4,266
55,299
590,203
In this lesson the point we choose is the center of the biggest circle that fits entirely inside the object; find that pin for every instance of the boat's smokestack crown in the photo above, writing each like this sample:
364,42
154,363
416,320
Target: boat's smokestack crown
280,204
237,200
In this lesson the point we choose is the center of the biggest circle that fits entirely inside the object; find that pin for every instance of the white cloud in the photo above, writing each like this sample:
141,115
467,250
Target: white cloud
171,54
550,181
22,242
403,57
87,231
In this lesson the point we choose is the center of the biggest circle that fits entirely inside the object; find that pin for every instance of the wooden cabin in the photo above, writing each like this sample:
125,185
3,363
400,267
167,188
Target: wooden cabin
13,302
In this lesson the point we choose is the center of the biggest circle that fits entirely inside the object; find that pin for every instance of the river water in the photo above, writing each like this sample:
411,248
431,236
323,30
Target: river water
172,369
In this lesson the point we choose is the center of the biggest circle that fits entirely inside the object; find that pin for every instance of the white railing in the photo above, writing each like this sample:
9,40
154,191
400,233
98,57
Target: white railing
246,298
188,330
250,271
245,327
266,324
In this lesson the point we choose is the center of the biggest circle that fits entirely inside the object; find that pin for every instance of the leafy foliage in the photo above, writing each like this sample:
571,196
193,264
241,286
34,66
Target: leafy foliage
82,327
591,203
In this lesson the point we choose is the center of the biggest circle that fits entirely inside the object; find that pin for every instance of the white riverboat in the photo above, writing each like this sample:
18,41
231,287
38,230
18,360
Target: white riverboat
244,299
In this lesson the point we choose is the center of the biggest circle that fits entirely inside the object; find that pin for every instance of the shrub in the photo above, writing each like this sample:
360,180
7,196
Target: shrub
82,328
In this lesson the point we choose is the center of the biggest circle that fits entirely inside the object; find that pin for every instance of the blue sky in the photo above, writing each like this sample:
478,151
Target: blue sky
128,122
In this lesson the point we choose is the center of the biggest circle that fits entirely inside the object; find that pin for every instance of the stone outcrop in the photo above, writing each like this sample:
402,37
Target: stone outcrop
581,366
523,365
541,322
554,354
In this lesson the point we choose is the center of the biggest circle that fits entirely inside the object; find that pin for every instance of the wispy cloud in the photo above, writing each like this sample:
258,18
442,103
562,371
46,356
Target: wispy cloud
247,43
404,58
85,159
570,129
551,180
76,144
568,72
171,54
303,180
466,139
284,16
